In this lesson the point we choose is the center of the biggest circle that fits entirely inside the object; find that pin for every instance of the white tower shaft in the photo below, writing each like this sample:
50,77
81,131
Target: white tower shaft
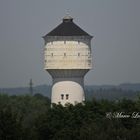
68,91
68,86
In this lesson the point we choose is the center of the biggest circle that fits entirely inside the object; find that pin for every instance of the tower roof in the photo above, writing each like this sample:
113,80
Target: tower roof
67,28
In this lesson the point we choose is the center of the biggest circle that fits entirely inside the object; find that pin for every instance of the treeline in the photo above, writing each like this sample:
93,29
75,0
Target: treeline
111,93
32,118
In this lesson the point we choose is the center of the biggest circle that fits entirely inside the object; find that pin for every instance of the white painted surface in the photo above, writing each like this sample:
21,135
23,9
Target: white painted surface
71,88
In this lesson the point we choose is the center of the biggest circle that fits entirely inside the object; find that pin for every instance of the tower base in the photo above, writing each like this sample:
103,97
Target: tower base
67,90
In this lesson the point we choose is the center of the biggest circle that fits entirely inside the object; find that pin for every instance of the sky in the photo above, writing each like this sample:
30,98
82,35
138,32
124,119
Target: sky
115,25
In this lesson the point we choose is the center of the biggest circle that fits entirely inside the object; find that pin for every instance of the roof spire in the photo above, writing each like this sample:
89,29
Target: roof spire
68,12
67,18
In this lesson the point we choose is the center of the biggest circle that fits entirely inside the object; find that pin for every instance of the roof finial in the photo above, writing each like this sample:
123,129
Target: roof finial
67,18
68,12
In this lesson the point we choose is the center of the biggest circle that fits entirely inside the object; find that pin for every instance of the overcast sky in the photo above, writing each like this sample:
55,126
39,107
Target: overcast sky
115,25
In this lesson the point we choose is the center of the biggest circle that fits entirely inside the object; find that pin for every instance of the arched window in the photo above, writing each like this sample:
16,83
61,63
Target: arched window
67,96
62,96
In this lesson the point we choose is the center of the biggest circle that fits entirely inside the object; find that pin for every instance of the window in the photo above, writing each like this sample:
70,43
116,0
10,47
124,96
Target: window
67,96
64,42
51,54
78,54
64,54
62,96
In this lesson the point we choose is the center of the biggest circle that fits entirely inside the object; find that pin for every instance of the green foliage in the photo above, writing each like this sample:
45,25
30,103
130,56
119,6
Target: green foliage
10,126
32,118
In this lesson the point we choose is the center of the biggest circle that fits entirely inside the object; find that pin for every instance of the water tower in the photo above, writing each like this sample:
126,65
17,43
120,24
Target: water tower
67,55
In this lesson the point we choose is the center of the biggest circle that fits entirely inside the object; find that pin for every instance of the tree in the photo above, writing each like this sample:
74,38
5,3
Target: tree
10,126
